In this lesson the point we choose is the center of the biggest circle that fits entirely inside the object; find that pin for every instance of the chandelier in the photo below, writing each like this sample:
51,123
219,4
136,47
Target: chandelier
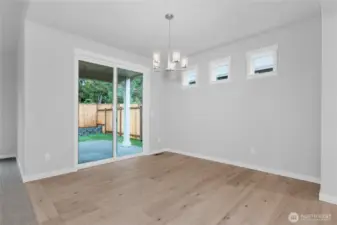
174,62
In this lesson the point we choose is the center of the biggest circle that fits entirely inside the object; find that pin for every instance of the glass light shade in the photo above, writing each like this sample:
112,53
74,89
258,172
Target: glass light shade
171,66
184,62
156,57
156,65
176,57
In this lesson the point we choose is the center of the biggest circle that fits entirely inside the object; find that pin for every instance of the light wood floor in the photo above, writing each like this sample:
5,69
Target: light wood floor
173,189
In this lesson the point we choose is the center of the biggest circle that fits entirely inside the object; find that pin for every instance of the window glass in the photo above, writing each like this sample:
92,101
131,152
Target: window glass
189,77
263,64
222,72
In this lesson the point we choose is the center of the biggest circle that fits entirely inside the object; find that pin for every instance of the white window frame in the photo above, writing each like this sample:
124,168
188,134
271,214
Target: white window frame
271,50
217,63
185,73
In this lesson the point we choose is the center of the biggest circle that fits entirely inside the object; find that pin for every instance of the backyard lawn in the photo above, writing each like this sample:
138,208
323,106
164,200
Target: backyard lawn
107,137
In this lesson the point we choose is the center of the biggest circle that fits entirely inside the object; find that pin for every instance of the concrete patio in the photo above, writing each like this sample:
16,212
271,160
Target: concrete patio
90,151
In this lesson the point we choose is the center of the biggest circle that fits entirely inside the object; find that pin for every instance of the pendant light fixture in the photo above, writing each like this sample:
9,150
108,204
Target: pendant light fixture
174,60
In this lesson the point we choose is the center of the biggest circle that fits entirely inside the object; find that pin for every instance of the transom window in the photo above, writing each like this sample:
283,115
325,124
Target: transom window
262,62
220,70
190,77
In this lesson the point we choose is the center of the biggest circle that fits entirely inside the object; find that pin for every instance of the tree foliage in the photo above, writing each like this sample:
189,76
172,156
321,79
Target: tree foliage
100,92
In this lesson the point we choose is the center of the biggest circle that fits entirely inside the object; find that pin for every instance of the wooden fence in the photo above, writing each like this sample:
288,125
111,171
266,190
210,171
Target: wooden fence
92,115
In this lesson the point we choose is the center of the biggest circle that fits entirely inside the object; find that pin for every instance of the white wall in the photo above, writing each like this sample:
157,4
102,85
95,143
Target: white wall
8,106
277,117
7,98
20,100
329,106
1,75
12,14
49,96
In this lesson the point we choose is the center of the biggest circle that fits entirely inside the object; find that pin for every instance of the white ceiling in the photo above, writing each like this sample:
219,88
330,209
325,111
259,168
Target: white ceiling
139,26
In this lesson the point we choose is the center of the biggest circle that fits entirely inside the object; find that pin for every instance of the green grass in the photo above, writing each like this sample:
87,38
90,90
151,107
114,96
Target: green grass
107,137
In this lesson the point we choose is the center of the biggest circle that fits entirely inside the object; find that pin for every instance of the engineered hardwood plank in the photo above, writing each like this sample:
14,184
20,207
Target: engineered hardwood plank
172,189
44,208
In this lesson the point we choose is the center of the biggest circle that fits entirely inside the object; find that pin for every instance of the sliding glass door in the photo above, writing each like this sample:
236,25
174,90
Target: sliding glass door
110,110
95,112
129,112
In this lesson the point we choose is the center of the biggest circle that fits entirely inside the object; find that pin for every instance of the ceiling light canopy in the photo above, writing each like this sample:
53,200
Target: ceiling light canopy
174,60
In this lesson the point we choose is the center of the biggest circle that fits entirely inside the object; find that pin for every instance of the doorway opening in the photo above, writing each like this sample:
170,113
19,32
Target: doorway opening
110,113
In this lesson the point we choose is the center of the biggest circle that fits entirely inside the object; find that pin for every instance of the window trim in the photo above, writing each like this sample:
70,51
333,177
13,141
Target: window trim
262,51
217,63
184,74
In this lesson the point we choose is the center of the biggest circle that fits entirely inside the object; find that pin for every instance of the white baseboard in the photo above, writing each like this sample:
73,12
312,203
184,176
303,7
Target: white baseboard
6,156
328,198
253,167
29,178
158,151
20,168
